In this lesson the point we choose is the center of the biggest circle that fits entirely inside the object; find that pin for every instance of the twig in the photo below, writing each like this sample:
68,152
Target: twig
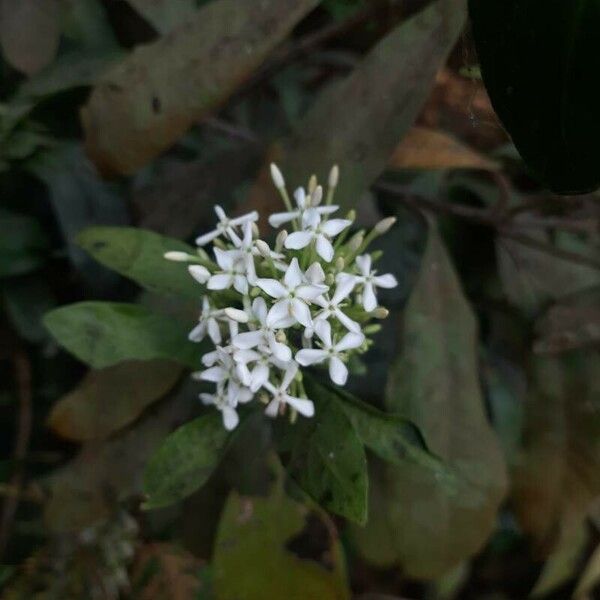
22,375
486,218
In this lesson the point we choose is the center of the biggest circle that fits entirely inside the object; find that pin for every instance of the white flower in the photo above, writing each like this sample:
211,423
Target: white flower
331,307
370,281
264,337
320,232
207,324
292,297
281,397
330,351
220,401
247,251
233,272
303,203
225,225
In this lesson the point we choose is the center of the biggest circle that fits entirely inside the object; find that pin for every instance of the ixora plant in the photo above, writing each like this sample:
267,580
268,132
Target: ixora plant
270,312
272,318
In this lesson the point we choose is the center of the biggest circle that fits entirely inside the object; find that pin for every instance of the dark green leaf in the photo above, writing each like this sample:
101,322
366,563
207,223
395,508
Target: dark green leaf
185,460
537,60
105,333
138,255
23,244
328,460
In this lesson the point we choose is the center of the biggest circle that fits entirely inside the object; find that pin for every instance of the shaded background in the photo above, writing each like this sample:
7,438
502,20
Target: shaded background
147,113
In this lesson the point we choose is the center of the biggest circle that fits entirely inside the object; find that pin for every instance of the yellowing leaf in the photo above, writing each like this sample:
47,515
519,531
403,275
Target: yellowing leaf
425,148
416,519
254,558
108,399
143,105
558,473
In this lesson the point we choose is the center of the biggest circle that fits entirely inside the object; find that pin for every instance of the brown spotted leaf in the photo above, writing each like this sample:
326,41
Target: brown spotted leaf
111,398
146,103
416,520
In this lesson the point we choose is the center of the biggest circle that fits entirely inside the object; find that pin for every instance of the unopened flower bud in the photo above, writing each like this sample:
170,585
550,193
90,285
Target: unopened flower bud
298,376
255,231
219,244
316,196
334,176
340,263
373,328
330,279
376,255
356,242
385,225
312,184
199,273
380,312
202,254
236,314
177,256
280,240
351,215
263,248
281,337
277,177
254,292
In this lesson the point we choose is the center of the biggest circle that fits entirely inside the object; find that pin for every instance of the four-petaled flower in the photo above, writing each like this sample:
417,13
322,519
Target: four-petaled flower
293,296
304,203
320,232
330,351
225,225
370,280
281,397
207,324
233,272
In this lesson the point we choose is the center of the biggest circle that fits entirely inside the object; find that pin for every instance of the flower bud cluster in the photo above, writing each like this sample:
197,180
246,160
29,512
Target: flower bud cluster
270,312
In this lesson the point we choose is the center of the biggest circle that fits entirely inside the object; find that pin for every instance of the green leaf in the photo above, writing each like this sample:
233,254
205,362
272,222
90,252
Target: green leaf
23,244
185,460
111,398
328,459
537,59
252,555
416,519
147,102
358,122
138,255
105,333
165,15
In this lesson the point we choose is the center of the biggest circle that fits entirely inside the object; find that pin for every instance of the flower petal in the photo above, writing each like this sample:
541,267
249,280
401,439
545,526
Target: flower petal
278,219
311,292
302,405
301,312
197,334
280,350
259,308
220,281
310,356
260,374
288,376
323,330
369,298
279,311
349,341
300,198
202,240
345,285
324,248
247,218
315,273
346,321
214,374
272,408
293,275
272,287
385,281
240,283
298,240
364,264
214,331
335,226
230,418
225,258
248,339
338,371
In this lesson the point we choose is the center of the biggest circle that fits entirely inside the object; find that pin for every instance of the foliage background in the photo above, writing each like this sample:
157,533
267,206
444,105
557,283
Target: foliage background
144,114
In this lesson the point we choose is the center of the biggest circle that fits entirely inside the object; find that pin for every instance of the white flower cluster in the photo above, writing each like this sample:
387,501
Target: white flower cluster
271,311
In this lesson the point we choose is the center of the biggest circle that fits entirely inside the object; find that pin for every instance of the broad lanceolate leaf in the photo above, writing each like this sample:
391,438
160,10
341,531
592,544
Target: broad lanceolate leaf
108,399
105,333
254,555
536,59
185,460
328,459
142,106
165,15
558,474
29,33
358,122
138,255
416,518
